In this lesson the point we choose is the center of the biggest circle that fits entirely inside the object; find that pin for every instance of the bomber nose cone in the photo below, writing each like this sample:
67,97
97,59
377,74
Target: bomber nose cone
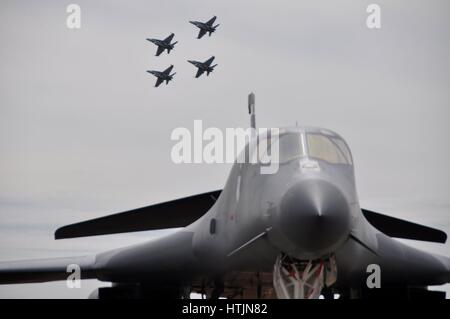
314,215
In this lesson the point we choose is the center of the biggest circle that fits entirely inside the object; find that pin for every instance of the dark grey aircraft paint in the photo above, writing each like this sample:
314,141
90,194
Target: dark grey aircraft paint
164,44
203,67
308,210
163,76
205,27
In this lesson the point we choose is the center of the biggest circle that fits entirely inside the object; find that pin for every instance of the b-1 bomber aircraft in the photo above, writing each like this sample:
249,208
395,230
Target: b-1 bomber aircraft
297,233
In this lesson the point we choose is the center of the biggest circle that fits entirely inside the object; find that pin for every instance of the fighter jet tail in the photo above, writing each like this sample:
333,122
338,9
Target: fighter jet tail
212,69
170,78
172,47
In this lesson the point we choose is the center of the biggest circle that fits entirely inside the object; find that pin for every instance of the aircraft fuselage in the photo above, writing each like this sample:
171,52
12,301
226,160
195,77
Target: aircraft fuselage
161,43
160,75
203,26
308,209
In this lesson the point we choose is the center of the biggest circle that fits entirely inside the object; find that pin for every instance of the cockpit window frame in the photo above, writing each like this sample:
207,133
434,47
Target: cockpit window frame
332,138
335,139
276,139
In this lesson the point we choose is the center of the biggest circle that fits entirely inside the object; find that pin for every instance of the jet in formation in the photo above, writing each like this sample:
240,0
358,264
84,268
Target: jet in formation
205,27
163,76
297,233
203,66
164,44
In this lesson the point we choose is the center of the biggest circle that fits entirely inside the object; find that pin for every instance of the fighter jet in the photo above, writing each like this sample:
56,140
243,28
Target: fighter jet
205,27
164,44
297,233
163,76
203,66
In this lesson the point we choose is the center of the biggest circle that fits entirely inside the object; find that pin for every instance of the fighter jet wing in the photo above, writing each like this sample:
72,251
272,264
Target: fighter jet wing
199,72
158,82
176,213
201,33
211,21
169,38
42,270
209,61
168,70
159,51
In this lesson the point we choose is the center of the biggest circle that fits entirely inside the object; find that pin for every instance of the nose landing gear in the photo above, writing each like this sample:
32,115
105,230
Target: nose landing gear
299,279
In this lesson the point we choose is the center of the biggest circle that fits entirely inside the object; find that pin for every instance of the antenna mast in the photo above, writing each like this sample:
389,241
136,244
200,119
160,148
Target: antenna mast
251,110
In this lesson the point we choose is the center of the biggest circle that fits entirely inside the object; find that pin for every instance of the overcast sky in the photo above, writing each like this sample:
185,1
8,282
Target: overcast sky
84,133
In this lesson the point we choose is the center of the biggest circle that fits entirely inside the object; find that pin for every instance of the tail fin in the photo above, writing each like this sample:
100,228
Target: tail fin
171,47
170,78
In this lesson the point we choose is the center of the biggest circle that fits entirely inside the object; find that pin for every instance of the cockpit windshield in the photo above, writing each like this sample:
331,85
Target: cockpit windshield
328,148
316,145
